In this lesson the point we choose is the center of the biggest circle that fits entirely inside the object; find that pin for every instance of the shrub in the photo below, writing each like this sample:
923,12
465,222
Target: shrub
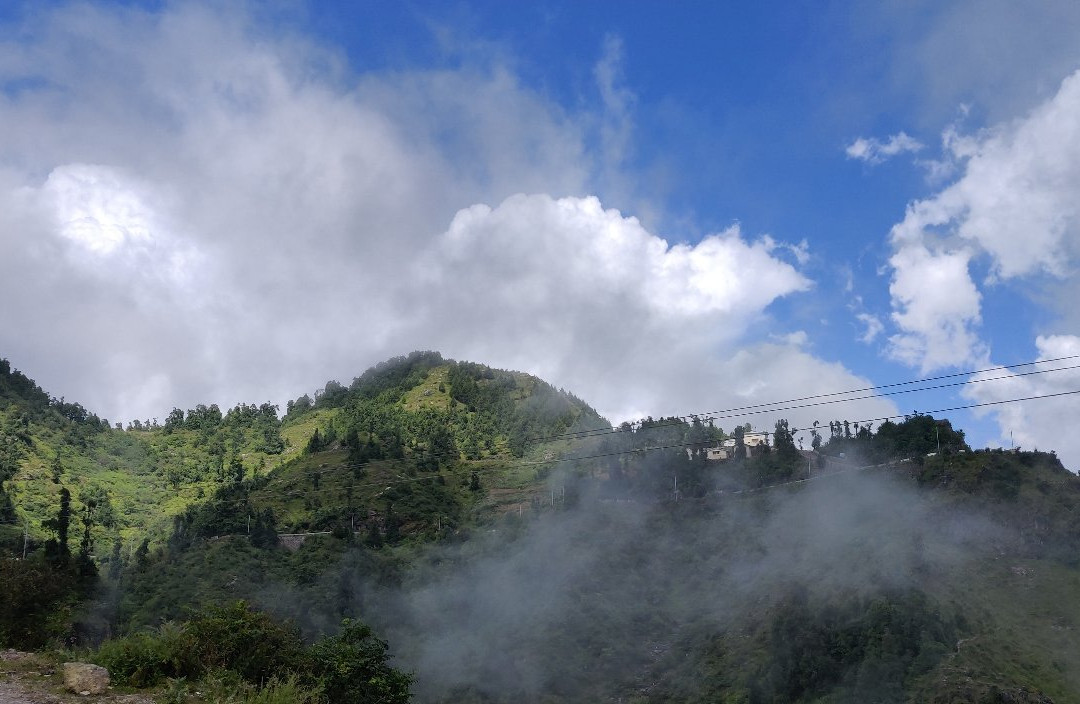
246,656
235,638
227,688
145,659
352,666
248,642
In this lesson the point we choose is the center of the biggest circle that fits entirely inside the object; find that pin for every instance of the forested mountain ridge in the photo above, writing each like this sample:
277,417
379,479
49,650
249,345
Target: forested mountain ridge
124,484
410,414
511,545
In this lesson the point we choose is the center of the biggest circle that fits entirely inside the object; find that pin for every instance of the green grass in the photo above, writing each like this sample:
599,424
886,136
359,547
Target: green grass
1024,627
427,394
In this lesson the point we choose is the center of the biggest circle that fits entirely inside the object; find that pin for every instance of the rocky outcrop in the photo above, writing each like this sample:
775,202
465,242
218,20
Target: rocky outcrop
84,678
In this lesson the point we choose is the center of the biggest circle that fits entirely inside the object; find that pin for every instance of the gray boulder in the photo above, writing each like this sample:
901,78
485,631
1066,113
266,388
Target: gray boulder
84,678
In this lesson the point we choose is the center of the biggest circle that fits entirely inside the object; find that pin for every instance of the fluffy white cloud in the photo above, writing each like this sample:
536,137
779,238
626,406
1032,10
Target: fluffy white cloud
937,307
1017,197
194,200
588,298
1013,209
195,208
113,227
874,151
1014,205
1038,423
588,252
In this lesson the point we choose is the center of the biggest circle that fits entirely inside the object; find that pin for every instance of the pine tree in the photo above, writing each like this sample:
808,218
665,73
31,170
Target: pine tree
60,526
315,444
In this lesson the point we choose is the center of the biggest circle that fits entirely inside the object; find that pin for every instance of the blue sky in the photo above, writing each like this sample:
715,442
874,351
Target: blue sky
663,207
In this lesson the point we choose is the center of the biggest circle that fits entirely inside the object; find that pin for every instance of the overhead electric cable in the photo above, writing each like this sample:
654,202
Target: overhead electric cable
776,406
772,407
451,455
603,455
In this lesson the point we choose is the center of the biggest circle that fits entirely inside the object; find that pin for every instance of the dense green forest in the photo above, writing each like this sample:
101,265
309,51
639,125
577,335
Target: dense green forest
464,534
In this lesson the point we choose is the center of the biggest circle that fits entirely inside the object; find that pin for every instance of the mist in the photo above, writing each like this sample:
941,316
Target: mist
601,599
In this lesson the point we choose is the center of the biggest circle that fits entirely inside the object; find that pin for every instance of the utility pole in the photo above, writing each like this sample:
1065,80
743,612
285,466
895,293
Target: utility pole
26,536
676,487
937,432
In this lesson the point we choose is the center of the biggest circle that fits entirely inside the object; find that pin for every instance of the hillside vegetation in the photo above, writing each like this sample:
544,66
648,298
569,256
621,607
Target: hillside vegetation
510,545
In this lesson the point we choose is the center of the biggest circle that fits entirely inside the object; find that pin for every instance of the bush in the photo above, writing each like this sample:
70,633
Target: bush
248,642
234,638
145,659
228,688
353,669
234,647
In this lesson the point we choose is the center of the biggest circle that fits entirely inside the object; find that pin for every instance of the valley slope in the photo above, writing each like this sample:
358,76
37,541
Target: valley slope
511,545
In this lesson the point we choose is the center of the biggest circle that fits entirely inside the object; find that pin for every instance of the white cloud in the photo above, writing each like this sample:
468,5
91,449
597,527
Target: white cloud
96,210
721,274
1017,198
196,209
114,229
1014,205
874,327
874,151
1041,423
799,338
587,297
937,308
190,197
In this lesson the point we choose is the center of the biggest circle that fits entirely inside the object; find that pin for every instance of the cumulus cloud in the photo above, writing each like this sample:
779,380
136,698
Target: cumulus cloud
937,307
1014,206
113,226
1016,198
195,205
195,208
1035,424
1012,211
874,151
588,297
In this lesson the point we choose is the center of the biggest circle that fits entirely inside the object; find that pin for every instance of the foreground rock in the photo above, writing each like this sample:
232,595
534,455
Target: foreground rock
85,678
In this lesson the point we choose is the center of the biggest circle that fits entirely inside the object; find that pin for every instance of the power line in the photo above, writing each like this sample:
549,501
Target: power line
774,406
777,408
793,430
615,453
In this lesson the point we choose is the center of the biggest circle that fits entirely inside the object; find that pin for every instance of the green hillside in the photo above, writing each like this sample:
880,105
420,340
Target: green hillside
133,479
511,546
412,416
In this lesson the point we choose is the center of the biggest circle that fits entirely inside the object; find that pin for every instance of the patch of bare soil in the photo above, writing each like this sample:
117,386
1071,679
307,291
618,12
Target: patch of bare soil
33,678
